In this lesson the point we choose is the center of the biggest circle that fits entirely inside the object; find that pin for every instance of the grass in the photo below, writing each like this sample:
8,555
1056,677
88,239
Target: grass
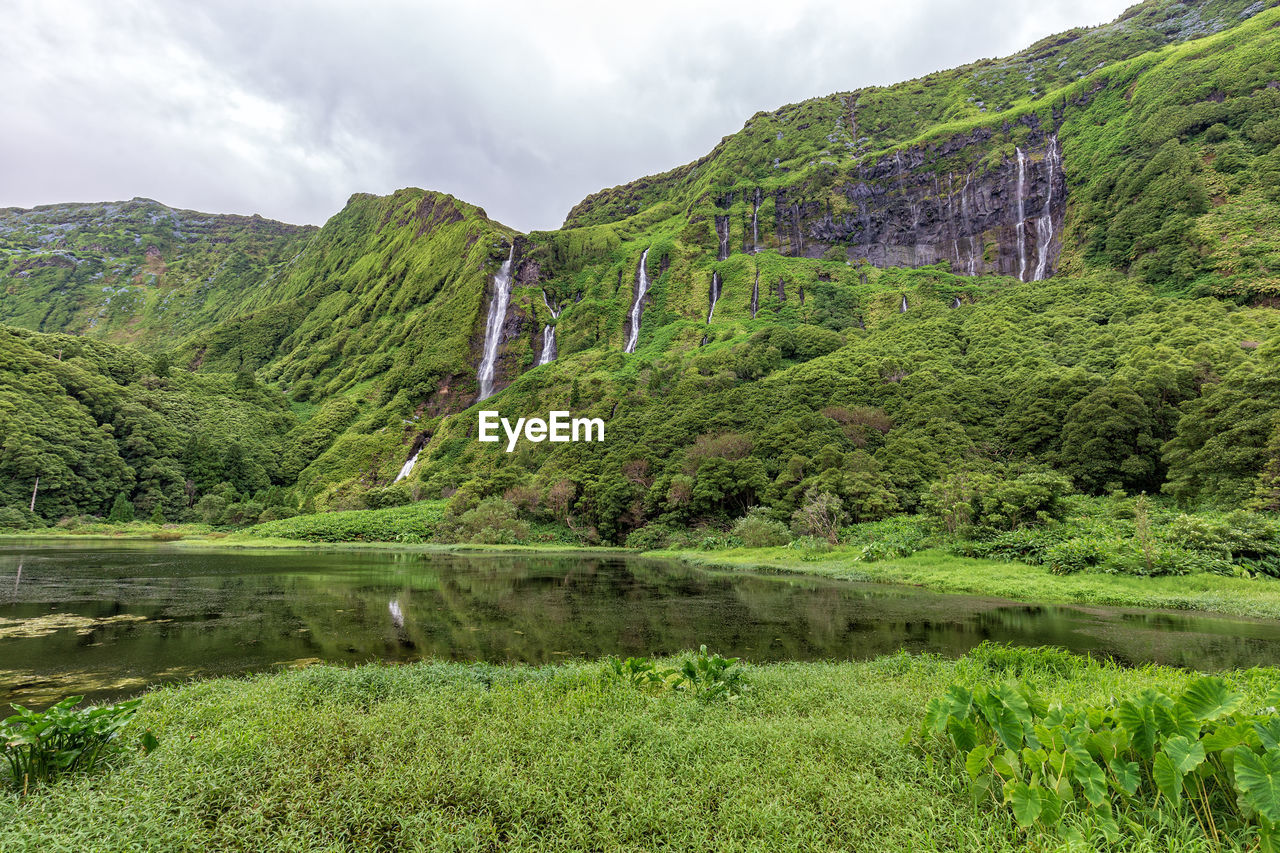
436,756
943,572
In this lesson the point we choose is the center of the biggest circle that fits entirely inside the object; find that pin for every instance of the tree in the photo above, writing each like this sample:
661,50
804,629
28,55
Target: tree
1110,437
157,514
121,510
822,515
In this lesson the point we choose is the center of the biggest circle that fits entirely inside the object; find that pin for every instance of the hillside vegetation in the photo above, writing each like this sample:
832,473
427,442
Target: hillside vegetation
969,295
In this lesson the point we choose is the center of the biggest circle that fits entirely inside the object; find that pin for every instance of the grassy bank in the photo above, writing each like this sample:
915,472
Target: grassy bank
943,572
452,757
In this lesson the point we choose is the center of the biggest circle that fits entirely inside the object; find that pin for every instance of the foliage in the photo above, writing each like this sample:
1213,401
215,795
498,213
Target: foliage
420,519
706,676
317,362
821,515
41,746
755,530
1076,769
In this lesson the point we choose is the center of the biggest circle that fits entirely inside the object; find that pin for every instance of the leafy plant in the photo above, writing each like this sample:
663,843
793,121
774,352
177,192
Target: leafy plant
706,676
1140,760
39,746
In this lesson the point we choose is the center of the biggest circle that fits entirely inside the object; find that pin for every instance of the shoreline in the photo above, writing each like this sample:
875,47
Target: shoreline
933,569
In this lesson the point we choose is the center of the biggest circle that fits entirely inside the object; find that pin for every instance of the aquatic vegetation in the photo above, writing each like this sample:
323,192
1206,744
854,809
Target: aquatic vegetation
42,626
40,746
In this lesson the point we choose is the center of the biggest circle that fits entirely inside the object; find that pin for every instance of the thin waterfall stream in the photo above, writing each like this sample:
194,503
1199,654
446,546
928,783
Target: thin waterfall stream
637,306
493,326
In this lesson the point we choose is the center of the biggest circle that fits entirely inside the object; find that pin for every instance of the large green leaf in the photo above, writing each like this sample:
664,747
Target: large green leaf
1258,778
963,733
978,760
1093,783
1168,777
1268,733
1185,755
1177,720
1007,714
1127,776
1209,698
1027,802
1139,720
1226,737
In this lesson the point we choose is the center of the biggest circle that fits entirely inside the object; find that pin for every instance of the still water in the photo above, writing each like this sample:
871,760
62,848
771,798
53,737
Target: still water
108,619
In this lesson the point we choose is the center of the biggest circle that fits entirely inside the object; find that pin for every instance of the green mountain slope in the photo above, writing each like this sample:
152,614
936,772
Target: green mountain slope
135,271
1062,263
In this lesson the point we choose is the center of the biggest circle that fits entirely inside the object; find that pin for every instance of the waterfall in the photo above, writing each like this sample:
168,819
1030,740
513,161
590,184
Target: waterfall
955,303
755,295
902,309
548,334
722,231
715,295
755,224
964,215
642,287
407,468
1044,224
493,325
1021,227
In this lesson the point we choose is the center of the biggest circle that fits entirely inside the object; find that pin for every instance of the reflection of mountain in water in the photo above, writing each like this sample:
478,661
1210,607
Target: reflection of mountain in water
214,613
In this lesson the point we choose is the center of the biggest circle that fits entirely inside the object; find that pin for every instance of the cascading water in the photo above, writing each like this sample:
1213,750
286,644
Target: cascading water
493,325
722,231
548,334
1021,227
755,295
715,295
964,215
755,224
955,303
637,306
1044,224
902,309
407,468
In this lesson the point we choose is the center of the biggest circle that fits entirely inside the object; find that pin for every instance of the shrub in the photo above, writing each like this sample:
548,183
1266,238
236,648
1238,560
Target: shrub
121,510
1026,545
492,522
1074,555
822,515
757,531
394,495
704,675
210,508
39,746
16,518
276,513
900,536
651,537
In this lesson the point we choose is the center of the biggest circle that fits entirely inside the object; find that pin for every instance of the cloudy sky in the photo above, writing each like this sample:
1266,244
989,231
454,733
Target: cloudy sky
285,108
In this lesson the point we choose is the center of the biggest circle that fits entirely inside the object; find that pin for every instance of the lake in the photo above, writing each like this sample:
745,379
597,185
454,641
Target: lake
107,619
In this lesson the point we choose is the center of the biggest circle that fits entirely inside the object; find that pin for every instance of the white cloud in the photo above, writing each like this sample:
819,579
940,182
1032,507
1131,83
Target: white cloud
286,108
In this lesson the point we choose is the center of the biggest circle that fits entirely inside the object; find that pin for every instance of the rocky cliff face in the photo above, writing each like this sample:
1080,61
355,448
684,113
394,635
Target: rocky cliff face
921,205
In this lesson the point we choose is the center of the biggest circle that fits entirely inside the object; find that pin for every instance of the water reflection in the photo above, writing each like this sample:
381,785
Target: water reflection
108,619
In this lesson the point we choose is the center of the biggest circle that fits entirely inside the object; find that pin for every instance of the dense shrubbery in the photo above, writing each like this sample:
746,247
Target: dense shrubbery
416,522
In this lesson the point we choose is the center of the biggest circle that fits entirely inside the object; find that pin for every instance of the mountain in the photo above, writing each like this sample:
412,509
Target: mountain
1065,259
134,271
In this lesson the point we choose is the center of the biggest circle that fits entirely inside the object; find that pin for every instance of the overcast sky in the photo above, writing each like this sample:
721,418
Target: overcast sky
285,108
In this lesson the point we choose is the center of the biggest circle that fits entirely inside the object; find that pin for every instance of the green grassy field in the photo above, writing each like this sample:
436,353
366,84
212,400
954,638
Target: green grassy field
943,572
436,756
